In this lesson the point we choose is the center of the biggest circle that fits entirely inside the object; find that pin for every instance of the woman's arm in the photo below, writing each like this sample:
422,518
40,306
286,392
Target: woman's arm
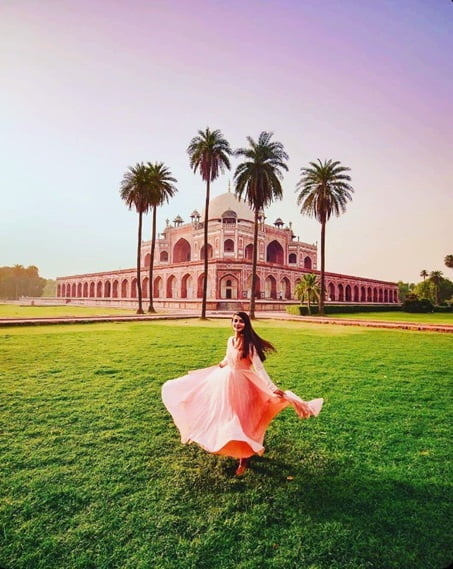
260,370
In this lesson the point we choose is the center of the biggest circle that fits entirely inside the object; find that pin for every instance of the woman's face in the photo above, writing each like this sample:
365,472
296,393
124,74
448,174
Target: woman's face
237,323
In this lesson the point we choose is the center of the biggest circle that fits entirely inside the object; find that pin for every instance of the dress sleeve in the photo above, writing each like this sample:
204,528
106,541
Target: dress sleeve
259,368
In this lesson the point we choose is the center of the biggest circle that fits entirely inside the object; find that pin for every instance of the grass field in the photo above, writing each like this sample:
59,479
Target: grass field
429,318
17,311
93,475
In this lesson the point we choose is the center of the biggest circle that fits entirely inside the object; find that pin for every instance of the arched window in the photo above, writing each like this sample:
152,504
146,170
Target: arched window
292,259
307,262
210,253
181,251
274,253
164,257
249,252
228,246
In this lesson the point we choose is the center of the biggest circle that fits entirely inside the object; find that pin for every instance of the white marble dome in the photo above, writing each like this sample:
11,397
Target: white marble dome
228,202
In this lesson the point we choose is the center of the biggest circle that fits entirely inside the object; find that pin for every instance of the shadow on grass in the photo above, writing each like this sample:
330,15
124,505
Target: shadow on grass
338,515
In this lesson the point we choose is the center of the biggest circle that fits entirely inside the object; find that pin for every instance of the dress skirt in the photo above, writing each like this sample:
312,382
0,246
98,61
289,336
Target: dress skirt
226,410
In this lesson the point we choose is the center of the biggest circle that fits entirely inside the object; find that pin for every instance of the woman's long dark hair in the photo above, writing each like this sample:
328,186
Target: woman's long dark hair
251,339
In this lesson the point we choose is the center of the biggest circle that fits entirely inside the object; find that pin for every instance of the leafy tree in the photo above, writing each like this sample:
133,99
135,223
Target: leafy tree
50,288
449,261
424,273
162,189
404,289
258,179
435,277
135,191
437,289
20,281
209,153
307,289
324,190
424,291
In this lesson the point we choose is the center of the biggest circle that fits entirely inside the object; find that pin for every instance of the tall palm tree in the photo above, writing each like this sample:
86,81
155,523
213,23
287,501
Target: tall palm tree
307,289
135,191
209,153
258,180
424,273
324,190
162,189
436,278
449,261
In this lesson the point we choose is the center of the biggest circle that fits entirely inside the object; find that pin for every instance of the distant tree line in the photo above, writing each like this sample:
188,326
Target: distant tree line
433,290
20,281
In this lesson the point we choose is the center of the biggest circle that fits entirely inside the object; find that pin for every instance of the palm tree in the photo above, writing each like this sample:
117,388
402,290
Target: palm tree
135,191
436,277
162,189
307,289
449,261
258,179
424,274
209,153
324,190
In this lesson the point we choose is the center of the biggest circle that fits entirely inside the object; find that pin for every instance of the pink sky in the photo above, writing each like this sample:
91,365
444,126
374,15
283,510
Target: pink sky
89,88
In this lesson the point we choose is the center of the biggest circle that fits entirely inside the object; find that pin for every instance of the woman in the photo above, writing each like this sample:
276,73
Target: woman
226,409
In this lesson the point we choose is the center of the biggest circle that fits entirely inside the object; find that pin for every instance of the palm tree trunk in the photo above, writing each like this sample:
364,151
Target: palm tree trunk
254,264
206,217
308,304
151,261
139,285
323,259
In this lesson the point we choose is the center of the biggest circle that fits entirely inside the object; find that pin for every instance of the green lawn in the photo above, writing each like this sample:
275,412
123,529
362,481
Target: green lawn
17,311
93,475
430,318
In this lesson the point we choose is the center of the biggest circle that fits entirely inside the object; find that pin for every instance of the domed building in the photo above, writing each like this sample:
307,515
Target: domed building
179,266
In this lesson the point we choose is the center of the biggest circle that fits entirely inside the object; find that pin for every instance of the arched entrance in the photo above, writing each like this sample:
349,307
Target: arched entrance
157,289
187,286
171,286
228,287
285,288
270,287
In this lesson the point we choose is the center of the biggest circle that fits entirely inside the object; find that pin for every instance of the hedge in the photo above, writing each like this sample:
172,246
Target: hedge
343,308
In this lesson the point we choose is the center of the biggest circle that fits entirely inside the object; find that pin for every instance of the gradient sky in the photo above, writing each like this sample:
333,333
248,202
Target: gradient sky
90,87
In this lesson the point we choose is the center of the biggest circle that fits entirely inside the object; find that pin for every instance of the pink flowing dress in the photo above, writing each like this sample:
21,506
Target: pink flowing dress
226,410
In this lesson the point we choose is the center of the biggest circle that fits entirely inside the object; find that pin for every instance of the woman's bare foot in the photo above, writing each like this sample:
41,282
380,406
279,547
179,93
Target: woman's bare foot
242,467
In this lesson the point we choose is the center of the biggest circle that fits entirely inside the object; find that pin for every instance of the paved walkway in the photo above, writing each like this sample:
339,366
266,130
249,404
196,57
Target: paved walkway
7,322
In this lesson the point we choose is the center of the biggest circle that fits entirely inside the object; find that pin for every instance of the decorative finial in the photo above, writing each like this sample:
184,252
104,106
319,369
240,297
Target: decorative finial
229,185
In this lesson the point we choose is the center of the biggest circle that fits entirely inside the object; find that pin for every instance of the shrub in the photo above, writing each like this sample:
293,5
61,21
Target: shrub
302,310
417,305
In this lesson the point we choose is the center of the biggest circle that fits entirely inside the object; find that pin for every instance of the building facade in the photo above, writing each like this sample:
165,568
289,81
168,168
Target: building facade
179,265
